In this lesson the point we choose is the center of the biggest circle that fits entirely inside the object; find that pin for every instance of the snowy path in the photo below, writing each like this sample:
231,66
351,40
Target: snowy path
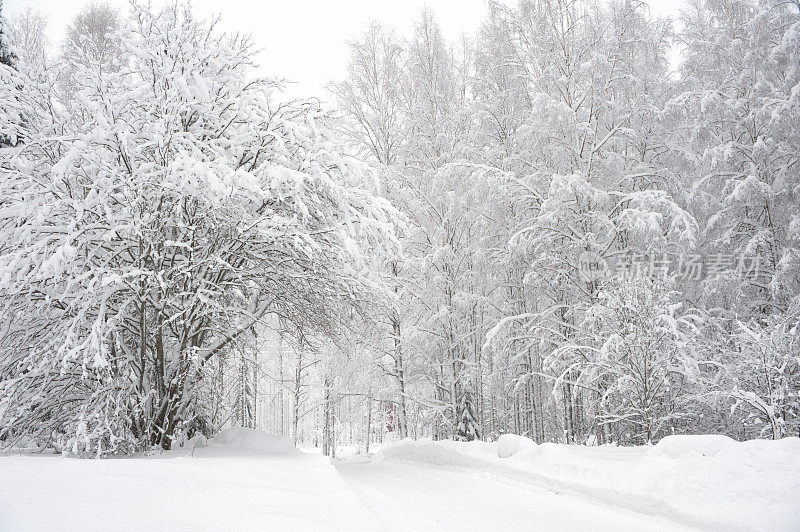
414,497
234,489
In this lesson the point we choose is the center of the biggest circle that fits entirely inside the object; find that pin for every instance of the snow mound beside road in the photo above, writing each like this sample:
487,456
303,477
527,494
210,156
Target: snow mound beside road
510,444
707,481
252,439
688,446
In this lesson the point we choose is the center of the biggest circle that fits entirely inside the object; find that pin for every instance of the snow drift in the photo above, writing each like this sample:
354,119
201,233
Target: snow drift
710,481
252,439
509,444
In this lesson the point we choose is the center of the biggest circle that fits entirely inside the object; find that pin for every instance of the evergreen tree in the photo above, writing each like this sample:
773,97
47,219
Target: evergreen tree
468,426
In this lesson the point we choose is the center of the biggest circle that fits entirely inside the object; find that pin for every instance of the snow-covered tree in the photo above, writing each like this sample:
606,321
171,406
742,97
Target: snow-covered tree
468,428
740,76
741,112
155,232
542,230
92,41
6,55
11,83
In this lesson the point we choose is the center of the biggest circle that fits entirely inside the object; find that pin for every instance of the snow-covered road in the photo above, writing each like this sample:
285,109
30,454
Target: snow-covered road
415,497
236,489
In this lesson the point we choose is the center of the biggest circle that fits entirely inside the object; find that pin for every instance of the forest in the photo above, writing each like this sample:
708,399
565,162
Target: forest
580,224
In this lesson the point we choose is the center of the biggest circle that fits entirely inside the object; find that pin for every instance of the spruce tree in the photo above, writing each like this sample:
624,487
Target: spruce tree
467,429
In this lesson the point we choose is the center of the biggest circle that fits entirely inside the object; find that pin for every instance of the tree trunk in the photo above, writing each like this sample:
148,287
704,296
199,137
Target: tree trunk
401,378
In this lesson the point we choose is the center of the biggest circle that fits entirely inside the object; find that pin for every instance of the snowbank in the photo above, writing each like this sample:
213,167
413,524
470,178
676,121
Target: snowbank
510,444
252,439
691,446
710,481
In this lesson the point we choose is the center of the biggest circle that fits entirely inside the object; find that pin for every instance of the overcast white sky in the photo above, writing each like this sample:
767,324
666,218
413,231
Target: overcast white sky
305,41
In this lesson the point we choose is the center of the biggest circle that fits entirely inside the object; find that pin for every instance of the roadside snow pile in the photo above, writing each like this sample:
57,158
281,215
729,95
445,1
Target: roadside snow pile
710,481
471,455
195,442
252,439
691,446
510,444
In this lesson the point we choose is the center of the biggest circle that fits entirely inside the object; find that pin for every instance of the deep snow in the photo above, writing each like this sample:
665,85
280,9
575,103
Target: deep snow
256,440
417,497
707,481
223,486
247,480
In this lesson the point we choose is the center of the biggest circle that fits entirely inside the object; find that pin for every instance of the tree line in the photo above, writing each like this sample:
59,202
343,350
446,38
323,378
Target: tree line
543,229
598,247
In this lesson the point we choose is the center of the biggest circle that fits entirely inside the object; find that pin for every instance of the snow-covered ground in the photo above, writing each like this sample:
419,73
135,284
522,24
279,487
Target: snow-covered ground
246,480
707,481
416,497
216,488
